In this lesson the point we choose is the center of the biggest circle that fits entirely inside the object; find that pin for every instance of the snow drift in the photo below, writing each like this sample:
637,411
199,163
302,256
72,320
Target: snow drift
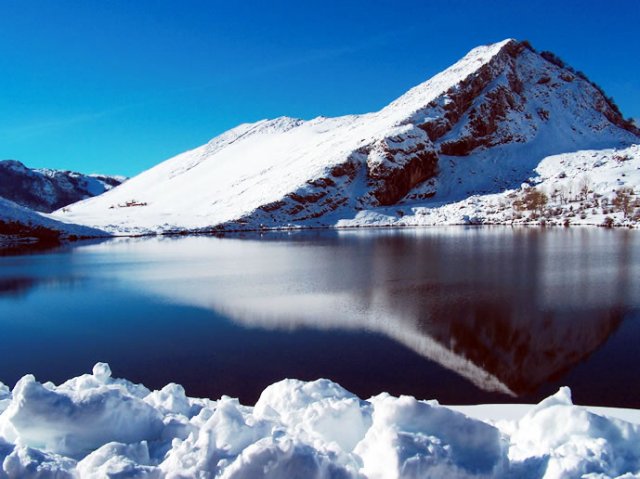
481,126
95,426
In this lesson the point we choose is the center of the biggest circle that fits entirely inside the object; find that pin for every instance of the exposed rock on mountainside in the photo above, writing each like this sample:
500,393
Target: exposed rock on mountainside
47,190
480,127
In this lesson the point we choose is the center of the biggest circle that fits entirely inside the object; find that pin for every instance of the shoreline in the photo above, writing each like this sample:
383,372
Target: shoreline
13,241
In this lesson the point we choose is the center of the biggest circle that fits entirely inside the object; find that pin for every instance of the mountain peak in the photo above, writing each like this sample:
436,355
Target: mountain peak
430,89
13,165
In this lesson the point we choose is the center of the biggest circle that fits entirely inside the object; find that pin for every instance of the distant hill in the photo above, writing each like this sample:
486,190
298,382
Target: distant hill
47,190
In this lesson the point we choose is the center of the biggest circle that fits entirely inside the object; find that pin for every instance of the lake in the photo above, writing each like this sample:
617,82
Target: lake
464,315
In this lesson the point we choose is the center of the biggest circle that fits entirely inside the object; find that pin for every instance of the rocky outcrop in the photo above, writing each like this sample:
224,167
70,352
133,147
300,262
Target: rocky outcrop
394,170
317,198
21,230
479,105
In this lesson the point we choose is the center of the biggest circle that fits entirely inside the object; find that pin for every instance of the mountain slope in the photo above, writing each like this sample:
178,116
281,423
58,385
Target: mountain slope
481,126
18,223
581,188
46,190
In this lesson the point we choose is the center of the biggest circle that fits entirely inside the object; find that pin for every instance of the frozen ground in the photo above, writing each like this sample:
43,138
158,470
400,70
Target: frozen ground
95,426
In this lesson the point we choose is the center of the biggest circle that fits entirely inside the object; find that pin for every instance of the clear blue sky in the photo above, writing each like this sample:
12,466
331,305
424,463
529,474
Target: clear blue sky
116,86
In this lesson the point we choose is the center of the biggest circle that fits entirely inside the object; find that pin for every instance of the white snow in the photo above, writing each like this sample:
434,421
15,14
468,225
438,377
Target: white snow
95,426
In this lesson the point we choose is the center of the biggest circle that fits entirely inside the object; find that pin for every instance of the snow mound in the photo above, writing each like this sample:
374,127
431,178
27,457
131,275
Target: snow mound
96,426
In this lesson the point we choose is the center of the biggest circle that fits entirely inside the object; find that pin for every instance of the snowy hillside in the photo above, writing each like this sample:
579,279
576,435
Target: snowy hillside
19,222
47,190
97,426
481,127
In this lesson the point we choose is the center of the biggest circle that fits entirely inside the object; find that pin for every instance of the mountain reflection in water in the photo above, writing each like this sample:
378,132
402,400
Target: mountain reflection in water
461,314
507,309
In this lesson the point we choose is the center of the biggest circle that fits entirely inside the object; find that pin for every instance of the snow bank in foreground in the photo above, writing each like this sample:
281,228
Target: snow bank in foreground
95,426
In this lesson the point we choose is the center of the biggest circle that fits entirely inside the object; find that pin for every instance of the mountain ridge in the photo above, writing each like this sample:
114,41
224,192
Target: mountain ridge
46,190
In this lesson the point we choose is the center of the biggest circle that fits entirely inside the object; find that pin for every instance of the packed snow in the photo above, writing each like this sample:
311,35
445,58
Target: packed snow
96,426
521,109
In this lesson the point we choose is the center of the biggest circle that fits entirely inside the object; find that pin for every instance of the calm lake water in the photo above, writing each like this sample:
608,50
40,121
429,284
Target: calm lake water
464,315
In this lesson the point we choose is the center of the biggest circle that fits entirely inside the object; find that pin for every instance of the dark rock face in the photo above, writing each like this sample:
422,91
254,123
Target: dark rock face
483,102
484,121
49,190
317,198
391,184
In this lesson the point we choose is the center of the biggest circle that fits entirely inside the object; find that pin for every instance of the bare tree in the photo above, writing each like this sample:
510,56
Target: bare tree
624,201
563,193
532,200
584,187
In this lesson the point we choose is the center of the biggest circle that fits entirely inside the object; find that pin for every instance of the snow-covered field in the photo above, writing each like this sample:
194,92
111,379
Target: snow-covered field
95,426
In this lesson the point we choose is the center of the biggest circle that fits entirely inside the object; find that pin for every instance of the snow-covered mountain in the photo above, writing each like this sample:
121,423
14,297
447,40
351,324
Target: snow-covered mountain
47,190
481,127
